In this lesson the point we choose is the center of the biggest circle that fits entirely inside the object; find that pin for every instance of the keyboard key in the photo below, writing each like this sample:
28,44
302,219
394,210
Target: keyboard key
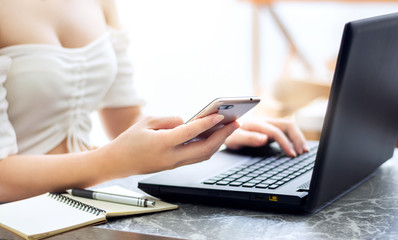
276,178
235,184
230,172
222,175
261,178
244,179
217,177
301,171
308,168
268,182
248,185
255,181
295,168
267,175
287,179
210,181
284,174
279,183
223,183
236,176
228,179
258,172
288,171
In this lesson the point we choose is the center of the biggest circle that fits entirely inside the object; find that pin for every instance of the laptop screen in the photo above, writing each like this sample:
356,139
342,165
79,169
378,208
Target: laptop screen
360,129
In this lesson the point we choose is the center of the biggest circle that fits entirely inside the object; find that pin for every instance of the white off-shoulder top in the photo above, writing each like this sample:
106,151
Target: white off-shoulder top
47,92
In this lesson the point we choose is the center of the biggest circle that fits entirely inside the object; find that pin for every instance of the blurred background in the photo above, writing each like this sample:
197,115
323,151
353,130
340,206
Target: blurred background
188,52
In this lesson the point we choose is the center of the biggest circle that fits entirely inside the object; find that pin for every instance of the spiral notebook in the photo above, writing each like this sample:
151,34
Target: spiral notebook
52,213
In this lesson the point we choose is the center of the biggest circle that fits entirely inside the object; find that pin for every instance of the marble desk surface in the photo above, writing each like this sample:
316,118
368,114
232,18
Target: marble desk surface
368,212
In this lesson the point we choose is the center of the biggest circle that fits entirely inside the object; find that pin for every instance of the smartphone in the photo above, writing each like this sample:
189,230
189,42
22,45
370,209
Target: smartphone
231,107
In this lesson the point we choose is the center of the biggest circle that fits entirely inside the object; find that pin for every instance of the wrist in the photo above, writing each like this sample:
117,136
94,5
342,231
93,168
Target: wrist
104,163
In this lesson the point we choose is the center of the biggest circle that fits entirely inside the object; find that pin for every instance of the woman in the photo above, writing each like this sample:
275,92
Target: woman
60,60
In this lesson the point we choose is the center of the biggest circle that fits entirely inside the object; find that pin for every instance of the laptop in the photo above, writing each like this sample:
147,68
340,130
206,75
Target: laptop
359,134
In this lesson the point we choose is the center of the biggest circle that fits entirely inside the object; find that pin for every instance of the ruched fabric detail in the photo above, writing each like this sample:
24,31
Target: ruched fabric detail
52,90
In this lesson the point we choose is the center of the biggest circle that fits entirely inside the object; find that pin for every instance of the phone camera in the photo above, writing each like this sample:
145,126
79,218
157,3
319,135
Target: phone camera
225,107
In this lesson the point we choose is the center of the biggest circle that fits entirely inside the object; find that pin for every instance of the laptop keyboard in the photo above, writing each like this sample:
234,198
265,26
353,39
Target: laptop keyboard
270,172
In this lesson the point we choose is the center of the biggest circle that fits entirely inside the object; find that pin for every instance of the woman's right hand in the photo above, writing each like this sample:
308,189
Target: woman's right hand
156,144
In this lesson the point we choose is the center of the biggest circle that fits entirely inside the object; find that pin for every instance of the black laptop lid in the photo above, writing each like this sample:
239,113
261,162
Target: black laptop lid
361,124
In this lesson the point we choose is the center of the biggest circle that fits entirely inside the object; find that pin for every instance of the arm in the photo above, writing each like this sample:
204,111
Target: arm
23,176
117,120
151,145
110,13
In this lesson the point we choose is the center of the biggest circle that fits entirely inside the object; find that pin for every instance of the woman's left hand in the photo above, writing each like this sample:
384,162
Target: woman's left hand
261,131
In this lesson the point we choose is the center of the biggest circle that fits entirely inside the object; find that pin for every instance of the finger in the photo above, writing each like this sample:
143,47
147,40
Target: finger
280,137
186,132
157,123
204,149
276,134
293,132
297,138
243,137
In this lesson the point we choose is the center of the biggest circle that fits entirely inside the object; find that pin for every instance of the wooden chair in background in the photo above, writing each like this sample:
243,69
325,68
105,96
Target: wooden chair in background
289,94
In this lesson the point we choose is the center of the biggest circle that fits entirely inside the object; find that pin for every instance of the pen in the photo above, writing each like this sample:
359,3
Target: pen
110,197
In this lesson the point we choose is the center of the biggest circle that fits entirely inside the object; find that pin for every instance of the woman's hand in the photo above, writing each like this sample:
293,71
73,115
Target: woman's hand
156,144
258,132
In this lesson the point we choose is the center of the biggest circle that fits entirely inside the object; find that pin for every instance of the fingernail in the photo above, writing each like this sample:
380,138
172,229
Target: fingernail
218,118
294,154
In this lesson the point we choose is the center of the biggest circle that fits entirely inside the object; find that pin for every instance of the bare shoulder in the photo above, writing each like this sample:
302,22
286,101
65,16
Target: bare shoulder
4,19
109,8
1,24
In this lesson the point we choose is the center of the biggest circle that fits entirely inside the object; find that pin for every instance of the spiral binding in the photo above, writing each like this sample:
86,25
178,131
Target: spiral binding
76,204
